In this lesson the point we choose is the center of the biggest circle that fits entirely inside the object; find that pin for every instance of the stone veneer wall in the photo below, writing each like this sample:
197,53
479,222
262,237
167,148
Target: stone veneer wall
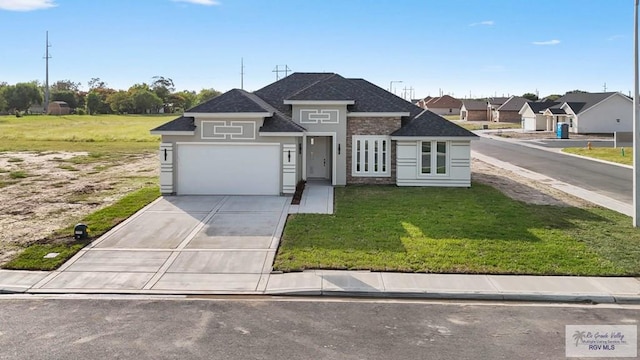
371,126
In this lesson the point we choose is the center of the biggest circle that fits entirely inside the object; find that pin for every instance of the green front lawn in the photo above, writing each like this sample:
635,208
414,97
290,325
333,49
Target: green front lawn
452,230
609,154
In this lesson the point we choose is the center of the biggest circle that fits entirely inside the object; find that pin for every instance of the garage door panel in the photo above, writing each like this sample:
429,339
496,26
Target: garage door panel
228,169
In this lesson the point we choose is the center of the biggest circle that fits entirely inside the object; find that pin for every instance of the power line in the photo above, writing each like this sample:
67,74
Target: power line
242,73
277,70
46,81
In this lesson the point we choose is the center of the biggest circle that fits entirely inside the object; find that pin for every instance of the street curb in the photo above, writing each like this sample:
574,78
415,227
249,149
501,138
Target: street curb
533,297
558,151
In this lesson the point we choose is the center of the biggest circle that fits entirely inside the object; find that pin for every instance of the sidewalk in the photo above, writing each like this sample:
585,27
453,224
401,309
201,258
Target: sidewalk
622,290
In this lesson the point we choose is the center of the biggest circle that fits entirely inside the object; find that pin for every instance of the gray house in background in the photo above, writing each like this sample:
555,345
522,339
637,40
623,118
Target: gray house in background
586,113
310,126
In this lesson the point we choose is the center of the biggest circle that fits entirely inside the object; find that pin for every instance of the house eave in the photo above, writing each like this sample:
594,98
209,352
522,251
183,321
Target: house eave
319,102
425,138
227,115
281,133
173,133
378,114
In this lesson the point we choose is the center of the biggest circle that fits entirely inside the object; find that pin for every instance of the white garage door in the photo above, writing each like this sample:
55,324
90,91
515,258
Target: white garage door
228,169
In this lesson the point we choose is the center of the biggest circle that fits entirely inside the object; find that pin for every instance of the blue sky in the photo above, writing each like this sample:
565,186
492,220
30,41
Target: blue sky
462,47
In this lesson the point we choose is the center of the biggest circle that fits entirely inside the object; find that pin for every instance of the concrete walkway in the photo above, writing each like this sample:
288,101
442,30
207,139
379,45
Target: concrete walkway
317,198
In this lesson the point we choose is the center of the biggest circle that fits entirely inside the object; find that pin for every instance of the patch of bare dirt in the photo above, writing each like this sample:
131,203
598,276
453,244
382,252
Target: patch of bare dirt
41,192
522,189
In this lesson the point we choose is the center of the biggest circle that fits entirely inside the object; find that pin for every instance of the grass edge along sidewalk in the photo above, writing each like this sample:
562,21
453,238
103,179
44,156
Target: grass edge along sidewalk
618,155
474,230
99,222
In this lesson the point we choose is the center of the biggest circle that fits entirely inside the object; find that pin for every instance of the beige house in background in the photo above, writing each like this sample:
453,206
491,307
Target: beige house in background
473,110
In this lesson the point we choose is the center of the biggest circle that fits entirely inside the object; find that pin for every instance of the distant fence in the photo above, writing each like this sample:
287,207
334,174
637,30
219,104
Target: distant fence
622,139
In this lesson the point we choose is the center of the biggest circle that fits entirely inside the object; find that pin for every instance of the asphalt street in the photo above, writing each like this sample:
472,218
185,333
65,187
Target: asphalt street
264,328
608,180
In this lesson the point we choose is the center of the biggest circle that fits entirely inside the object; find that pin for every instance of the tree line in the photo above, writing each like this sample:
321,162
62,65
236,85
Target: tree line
158,96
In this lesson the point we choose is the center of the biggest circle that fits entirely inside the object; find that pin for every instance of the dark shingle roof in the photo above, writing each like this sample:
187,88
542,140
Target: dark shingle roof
233,101
180,124
556,111
475,105
515,103
431,124
497,100
538,106
367,97
583,101
280,123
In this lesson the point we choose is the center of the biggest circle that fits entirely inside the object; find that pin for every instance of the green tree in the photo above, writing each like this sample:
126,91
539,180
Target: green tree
206,94
530,96
145,101
93,101
66,85
22,95
3,102
120,102
67,96
577,91
163,87
553,97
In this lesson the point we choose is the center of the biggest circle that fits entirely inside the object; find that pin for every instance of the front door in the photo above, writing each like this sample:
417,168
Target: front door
318,157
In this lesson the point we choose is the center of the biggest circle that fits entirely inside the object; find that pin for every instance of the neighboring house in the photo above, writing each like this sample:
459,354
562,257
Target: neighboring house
591,113
532,117
473,110
423,102
509,110
309,126
492,107
58,108
444,105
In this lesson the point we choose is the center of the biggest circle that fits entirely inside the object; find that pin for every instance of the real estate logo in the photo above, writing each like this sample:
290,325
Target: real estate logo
601,340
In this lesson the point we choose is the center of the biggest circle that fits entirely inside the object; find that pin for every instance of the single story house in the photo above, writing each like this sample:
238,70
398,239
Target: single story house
58,108
509,110
309,126
591,113
492,107
444,105
532,117
473,110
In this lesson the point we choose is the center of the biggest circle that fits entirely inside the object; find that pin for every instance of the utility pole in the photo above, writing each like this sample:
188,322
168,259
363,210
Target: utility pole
242,73
636,126
391,85
46,81
604,87
278,71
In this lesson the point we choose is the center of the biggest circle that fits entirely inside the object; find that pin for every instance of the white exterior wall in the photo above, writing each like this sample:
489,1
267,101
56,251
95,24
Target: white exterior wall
170,178
602,117
458,164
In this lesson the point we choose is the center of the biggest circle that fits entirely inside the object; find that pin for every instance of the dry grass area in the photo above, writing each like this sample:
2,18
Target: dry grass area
522,189
541,135
46,191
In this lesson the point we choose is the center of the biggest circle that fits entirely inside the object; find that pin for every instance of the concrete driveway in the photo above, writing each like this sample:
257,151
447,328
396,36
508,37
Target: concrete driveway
183,244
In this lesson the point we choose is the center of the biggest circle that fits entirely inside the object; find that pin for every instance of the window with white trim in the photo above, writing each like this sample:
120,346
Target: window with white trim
433,159
371,155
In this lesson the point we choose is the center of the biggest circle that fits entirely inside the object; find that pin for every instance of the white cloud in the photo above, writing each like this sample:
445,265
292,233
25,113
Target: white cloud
483,23
199,2
550,42
615,37
26,5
